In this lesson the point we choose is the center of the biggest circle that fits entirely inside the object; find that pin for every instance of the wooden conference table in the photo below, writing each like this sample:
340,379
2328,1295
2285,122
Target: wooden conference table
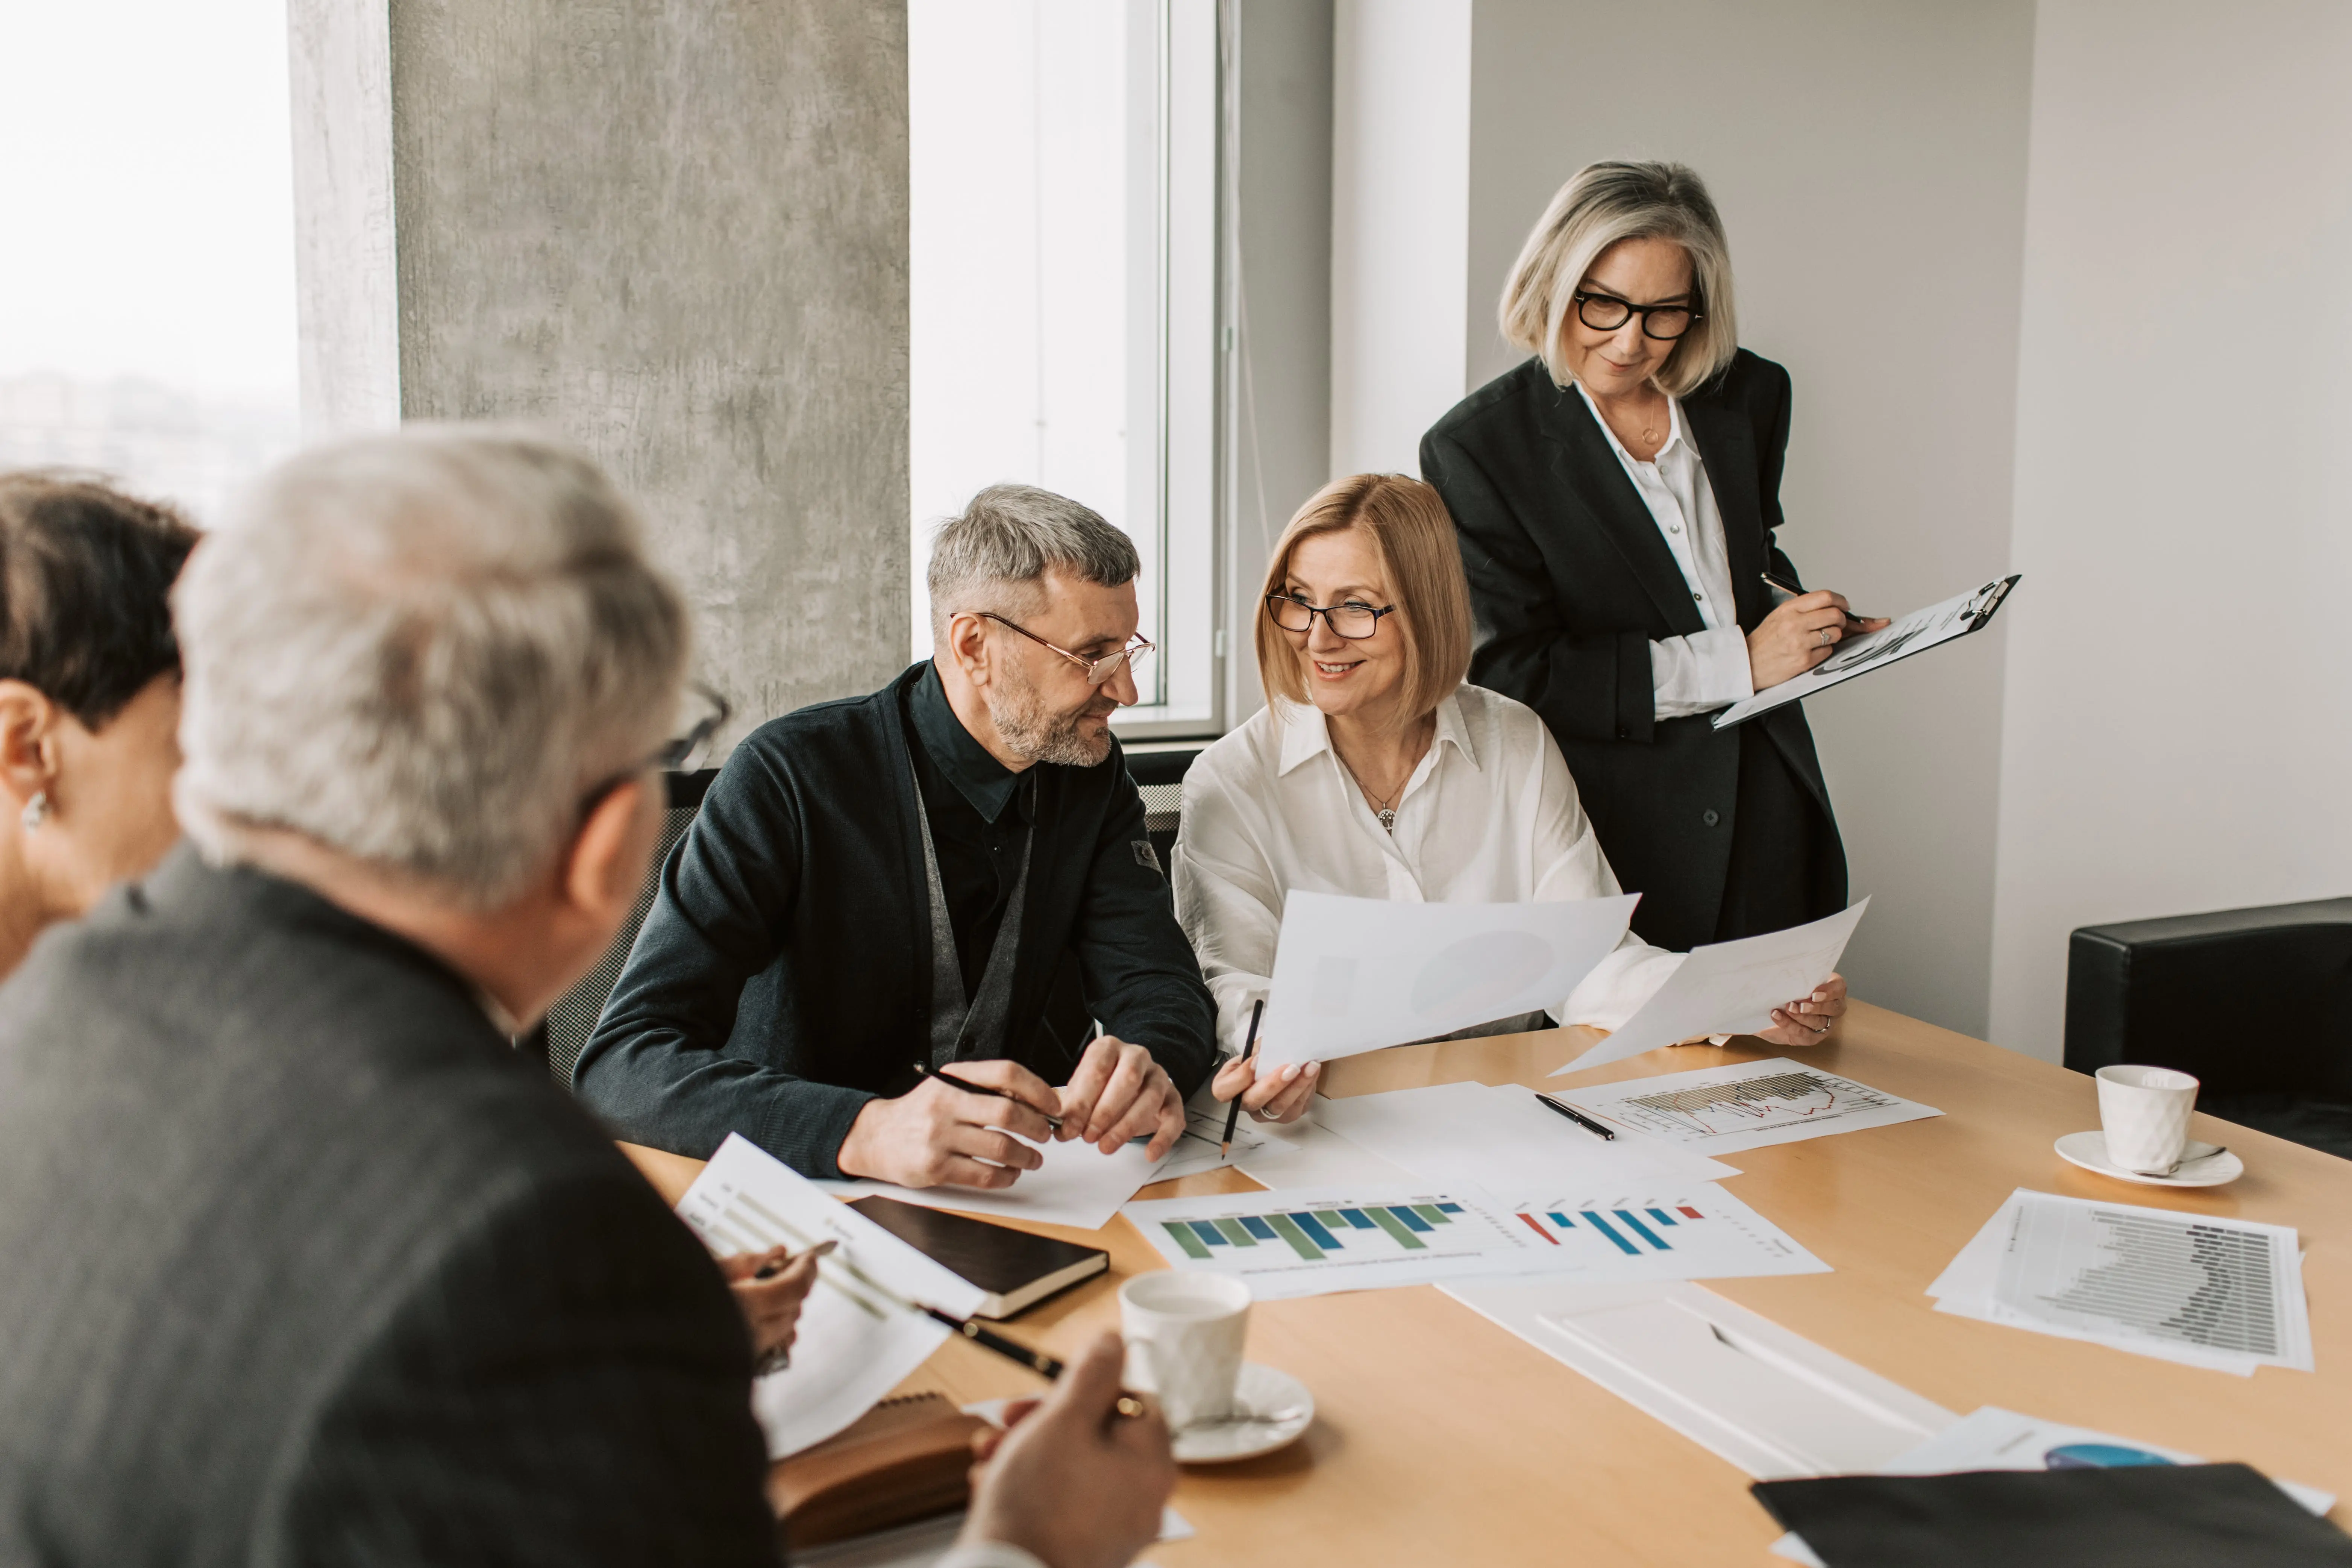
1440,1438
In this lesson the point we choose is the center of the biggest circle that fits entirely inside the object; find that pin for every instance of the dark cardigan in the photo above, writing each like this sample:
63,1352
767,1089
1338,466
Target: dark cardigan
783,978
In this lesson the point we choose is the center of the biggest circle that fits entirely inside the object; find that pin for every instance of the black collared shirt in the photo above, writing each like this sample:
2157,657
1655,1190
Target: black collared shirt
980,812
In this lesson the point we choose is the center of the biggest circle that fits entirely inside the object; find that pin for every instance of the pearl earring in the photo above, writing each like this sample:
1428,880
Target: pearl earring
37,812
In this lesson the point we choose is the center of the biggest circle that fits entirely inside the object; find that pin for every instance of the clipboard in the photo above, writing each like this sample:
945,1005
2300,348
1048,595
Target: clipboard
1933,626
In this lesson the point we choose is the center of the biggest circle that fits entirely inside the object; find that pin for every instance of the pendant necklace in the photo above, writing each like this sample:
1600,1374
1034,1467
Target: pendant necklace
1382,808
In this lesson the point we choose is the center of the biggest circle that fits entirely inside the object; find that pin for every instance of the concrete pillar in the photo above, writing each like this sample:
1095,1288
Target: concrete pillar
673,231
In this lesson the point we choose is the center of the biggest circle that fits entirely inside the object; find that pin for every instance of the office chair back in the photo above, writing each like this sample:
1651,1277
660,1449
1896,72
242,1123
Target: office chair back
1160,779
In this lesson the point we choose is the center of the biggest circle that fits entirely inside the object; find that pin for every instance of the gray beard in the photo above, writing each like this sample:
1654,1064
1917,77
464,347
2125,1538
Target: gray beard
1042,736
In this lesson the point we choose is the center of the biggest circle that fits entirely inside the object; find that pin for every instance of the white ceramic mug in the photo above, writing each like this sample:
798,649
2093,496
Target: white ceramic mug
2145,1113
1185,1335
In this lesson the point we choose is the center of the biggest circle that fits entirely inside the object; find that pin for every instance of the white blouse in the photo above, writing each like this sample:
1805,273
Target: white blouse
1489,816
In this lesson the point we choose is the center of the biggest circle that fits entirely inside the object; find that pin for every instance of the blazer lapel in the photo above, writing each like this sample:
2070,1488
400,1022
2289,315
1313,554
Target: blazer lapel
1588,468
1727,449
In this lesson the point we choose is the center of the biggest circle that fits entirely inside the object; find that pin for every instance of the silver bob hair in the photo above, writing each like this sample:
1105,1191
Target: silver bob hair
1600,204
421,651
1007,538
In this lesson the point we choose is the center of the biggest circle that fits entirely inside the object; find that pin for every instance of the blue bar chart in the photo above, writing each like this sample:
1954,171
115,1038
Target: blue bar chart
1308,1241
1709,1234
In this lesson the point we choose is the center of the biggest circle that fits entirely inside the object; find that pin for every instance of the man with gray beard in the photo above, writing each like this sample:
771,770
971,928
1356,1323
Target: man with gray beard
952,872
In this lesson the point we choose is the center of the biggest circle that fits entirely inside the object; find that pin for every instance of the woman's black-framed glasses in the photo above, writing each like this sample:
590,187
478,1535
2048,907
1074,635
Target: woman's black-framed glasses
1353,620
1606,313
1097,671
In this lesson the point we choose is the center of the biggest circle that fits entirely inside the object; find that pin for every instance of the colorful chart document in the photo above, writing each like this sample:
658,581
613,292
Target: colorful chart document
2195,1289
855,1343
1356,974
1313,1241
1729,988
1747,1105
1706,1234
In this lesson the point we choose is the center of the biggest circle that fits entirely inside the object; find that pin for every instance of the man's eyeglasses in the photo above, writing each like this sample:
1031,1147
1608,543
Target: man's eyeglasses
1097,671
1606,313
711,712
1353,620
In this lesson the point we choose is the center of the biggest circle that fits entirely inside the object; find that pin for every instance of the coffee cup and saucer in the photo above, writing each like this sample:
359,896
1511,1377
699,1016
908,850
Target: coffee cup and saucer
2143,1134
1185,1335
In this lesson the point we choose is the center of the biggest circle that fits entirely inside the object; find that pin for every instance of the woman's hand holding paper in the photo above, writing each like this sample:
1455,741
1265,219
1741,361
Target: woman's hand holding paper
1807,1020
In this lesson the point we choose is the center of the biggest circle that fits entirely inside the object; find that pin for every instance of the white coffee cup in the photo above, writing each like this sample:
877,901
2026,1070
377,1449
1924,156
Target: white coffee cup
1185,1335
2145,1113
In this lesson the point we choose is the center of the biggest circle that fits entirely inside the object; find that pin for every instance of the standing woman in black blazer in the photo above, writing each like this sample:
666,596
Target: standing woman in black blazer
1617,497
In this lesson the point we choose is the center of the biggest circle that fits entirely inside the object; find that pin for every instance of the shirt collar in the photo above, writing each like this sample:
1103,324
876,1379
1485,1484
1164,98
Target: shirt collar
1675,435
1306,734
978,776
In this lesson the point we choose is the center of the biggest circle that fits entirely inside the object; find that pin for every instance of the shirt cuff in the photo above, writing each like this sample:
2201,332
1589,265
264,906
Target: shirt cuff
1699,673
989,1554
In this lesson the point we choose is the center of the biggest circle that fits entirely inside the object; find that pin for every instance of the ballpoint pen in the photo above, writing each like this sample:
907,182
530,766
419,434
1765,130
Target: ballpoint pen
1794,592
1234,1113
1549,1103
922,1070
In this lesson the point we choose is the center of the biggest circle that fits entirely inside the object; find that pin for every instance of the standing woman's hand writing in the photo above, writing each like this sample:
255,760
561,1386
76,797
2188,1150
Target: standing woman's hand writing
1800,634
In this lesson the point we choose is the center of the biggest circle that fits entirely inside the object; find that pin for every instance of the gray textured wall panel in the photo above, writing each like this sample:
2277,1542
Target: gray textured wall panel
677,232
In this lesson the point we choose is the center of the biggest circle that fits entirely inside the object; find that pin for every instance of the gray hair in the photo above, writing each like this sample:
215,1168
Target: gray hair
1006,540
420,650
1600,204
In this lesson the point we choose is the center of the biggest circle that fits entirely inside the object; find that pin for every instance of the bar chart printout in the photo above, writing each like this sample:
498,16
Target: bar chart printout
1709,1234
1309,1241
1748,1105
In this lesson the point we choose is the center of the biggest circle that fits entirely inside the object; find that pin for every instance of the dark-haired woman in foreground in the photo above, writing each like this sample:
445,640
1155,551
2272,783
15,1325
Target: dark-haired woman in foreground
90,696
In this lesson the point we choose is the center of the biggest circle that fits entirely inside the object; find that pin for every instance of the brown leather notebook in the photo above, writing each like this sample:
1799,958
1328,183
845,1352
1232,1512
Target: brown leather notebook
906,1460
1017,1269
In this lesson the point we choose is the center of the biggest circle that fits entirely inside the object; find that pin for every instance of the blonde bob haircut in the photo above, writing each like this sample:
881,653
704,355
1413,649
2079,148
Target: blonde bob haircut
1412,534
1600,204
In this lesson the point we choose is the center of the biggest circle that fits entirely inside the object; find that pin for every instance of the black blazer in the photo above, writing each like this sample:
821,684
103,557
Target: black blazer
1571,583
784,974
303,1265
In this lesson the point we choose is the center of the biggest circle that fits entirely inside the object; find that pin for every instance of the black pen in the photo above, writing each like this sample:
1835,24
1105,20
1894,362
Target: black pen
1234,1114
923,1071
1794,592
1046,1367
1549,1103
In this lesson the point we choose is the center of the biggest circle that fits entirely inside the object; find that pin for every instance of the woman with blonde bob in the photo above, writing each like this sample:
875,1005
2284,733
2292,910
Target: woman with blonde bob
1375,771
1618,502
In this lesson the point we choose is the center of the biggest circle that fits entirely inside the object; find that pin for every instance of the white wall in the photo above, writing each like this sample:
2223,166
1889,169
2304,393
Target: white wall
2177,732
1400,185
1869,161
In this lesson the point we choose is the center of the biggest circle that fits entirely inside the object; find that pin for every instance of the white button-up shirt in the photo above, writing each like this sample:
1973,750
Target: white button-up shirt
1707,670
1490,816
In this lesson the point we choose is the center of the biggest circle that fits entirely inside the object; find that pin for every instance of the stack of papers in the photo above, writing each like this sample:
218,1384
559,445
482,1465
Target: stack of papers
1749,1105
1995,1439
2225,1294
856,1339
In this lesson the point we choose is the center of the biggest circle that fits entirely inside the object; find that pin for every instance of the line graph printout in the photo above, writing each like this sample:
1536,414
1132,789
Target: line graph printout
1748,1105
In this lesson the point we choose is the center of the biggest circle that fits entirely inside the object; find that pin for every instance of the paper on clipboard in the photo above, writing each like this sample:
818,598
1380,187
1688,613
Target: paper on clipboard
1914,633
1356,974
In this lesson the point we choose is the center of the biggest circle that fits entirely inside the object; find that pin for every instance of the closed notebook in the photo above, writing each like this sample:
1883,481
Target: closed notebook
2150,1516
1017,1269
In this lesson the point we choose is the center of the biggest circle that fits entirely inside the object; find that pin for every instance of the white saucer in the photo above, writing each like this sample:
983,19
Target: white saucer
1260,1389
2201,1164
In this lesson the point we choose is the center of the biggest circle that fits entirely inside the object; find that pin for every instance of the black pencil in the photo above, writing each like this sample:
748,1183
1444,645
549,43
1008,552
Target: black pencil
1234,1113
922,1070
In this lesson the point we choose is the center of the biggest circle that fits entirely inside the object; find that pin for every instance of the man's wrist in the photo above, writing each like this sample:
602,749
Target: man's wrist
851,1158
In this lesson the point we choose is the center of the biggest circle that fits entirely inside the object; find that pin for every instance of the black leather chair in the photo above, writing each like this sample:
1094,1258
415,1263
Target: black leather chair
2256,1003
1160,779
556,1041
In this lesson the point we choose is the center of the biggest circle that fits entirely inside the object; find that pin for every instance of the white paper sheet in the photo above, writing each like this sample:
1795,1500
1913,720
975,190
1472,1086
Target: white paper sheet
1768,1401
1993,1439
2222,1294
1730,988
1702,1232
852,1345
1306,1153
1352,1239
1744,1105
1357,975
1204,1132
1914,633
1077,1185
1502,1141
